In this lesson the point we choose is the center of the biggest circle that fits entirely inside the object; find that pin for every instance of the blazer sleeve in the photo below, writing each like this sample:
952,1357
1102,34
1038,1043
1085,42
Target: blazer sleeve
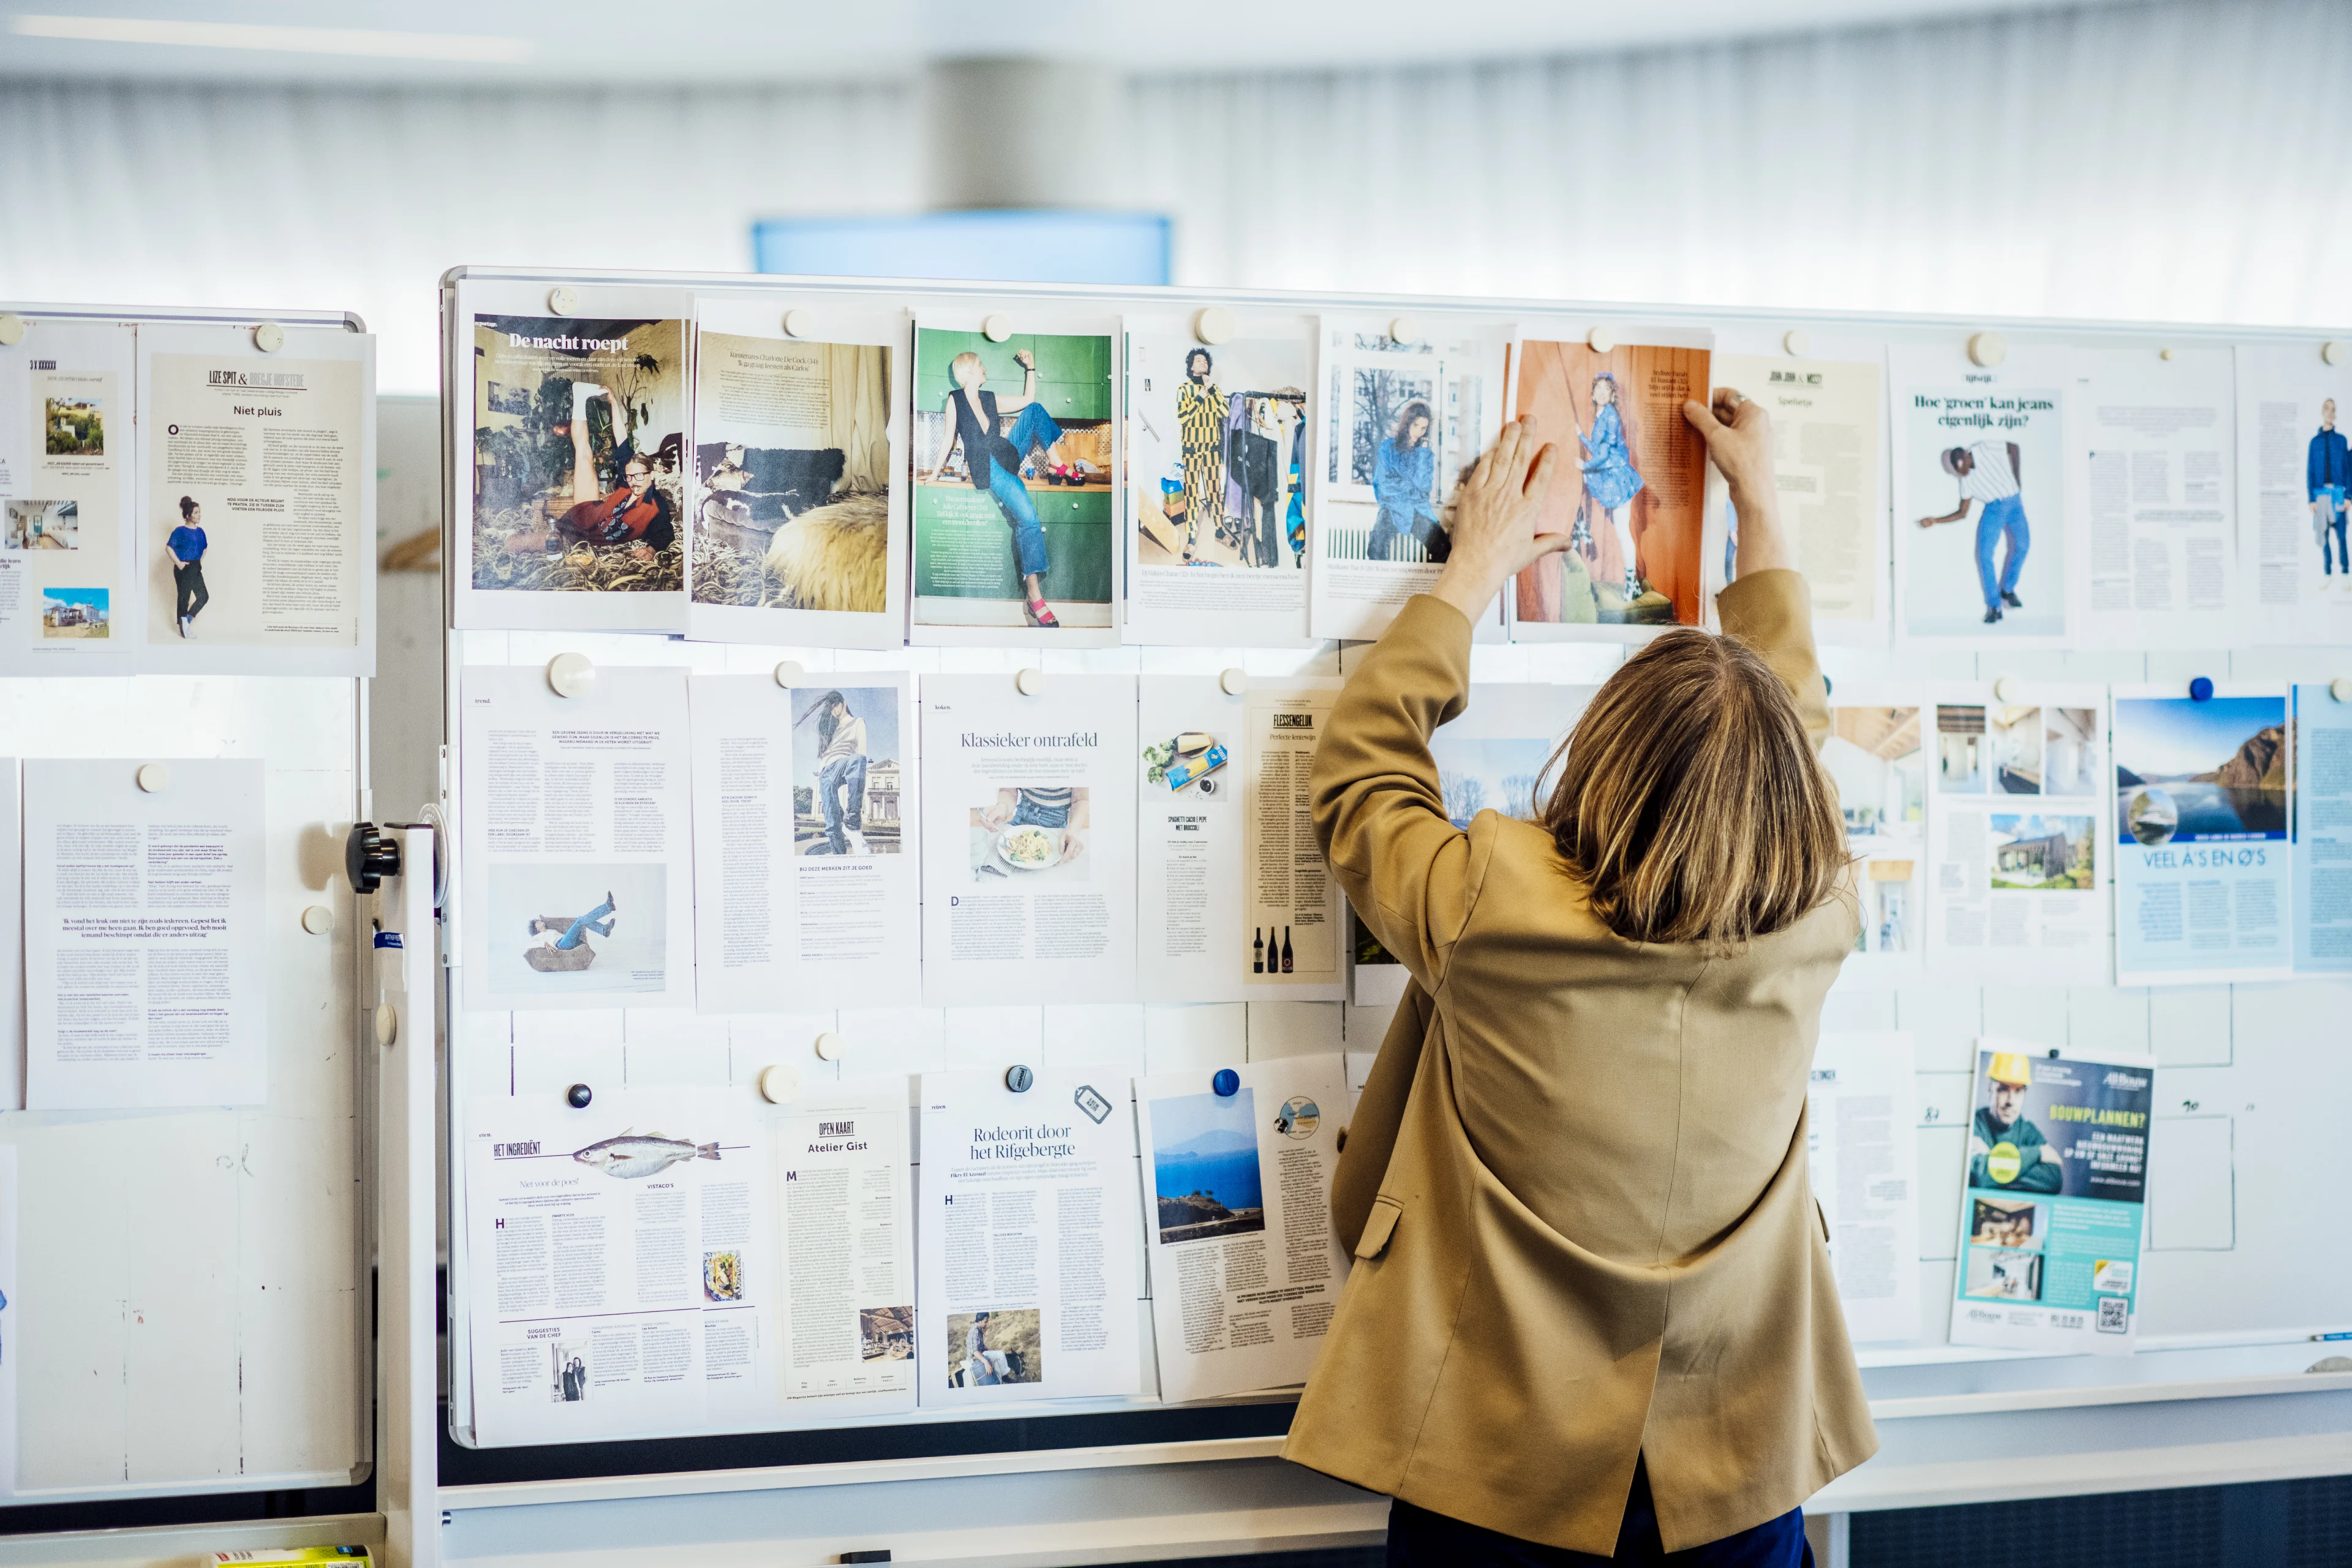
1379,813
1772,611
1378,1115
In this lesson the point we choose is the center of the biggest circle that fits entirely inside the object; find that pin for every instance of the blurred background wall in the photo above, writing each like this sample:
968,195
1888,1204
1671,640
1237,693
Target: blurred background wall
2178,161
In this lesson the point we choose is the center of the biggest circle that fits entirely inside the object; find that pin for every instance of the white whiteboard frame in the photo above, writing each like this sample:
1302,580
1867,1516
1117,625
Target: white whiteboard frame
365,1164
2134,1428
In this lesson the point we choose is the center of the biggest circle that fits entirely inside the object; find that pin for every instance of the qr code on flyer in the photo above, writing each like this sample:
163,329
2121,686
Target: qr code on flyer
2114,1314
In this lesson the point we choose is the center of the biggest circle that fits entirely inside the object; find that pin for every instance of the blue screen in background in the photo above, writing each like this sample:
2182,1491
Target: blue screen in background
1037,246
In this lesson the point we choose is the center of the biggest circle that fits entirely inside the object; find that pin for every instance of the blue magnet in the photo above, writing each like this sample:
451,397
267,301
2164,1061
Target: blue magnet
1019,1078
1227,1081
1828,688
578,1096
2200,691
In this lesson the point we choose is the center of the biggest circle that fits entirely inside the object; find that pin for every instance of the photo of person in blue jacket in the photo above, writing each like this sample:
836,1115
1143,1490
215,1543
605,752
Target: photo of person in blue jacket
1404,475
2327,475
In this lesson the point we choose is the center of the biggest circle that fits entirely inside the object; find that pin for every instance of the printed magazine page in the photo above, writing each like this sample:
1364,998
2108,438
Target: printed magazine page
1246,1265
1862,1149
1631,490
803,842
576,821
1217,464
1030,1274
618,1263
146,966
69,571
795,528
2294,479
2016,836
1028,840
844,1209
2054,1205
259,531
1015,500
1875,756
2204,873
2321,826
2152,467
575,495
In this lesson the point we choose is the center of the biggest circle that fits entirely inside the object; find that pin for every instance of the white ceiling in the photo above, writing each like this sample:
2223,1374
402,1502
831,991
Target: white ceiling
609,41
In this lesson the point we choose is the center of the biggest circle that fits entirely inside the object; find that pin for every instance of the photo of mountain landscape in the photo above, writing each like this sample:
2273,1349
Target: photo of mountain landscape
2189,771
1205,1166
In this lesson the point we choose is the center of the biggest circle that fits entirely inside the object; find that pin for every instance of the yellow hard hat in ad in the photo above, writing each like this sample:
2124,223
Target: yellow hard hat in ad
2011,1067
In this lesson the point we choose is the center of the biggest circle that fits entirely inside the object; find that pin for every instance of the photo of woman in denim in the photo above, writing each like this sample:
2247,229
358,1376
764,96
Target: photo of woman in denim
1610,479
1404,475
993,457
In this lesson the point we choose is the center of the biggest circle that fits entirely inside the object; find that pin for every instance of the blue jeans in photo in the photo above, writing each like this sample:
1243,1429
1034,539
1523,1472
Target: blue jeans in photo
830,778
1027,811
592,921
1035,429
2005,517
2332,561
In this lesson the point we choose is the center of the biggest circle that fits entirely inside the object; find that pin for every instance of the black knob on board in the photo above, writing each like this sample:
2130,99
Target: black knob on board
369,858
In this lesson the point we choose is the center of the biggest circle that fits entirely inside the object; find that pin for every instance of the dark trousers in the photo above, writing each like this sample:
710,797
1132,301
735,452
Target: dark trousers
189,583
1420,1539
1261,496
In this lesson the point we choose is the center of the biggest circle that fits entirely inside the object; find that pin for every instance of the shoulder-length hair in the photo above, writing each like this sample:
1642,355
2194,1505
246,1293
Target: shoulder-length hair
1412,411
1690,802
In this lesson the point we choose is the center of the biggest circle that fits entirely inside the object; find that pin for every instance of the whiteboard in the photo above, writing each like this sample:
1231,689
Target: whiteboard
192,1306
2235,1286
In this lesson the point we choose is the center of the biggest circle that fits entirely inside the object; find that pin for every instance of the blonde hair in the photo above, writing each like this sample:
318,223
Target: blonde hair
955,366
1690,802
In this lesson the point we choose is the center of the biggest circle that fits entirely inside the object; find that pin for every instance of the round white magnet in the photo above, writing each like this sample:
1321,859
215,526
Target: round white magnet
269,337
1987,349
996,326
780,1083
571,674
2006,689
799,324
153,777
788,671
2341,689
11,329
563,301
2167,355
828,1046
1233,681
1030,681
1404,330
388,1023
1796,340
318,919
1213,324
1600,339
2334,353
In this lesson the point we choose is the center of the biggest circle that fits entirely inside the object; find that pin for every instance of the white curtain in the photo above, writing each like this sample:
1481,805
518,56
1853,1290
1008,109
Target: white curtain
2182,162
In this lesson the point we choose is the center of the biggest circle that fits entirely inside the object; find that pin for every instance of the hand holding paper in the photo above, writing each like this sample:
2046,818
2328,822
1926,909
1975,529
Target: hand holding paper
1494,515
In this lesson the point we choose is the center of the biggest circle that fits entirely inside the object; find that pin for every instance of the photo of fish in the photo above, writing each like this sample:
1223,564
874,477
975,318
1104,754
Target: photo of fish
632,1156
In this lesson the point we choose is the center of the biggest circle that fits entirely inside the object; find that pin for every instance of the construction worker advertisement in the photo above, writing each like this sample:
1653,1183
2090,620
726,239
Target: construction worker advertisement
2055,1199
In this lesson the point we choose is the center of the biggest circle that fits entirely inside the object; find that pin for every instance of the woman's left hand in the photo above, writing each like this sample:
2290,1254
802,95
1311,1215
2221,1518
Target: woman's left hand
1494,515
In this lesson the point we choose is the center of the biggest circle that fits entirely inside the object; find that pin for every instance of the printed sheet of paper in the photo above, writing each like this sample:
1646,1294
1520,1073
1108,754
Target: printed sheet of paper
2295,495
1984,554
795,530
2157,498
2321,823
2018,847
619,1264
1234,901
1216,465
1016,462
11,955
257,532
574,501
1631,490
146,974
1028,840
1875,756
68,484
1829,418
12,1344
844,1281
1245,1267
2204,873
2054,1205
1030,1277
578,877
1400,426
803,842
1862,1151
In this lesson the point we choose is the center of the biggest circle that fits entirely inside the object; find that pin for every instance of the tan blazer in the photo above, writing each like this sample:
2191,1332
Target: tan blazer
1575,1185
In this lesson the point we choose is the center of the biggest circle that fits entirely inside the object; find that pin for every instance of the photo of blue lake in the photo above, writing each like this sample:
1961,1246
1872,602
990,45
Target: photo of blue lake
2189,771
1205,1166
